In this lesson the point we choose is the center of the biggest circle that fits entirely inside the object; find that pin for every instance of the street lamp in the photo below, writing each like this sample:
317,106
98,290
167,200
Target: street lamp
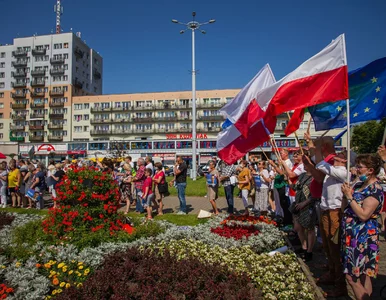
193,26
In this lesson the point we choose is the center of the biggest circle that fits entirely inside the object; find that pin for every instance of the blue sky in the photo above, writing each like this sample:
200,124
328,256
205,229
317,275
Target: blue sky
144,52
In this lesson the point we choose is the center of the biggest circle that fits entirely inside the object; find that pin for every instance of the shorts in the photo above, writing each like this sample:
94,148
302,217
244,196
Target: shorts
149,199
12,190
212,192
158,195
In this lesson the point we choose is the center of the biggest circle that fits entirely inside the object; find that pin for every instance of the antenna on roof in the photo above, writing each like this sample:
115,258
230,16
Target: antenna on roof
58,9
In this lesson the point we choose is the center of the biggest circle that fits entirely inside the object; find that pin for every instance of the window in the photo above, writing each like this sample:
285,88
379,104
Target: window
65,77
76,69
1,105
65,88
65,45
229,99
1,95
77,118
78,106
66,67
2,65
1,125
86,105
1,136
58,46
78,128
2,55
2,85
46,58
47,47
86,128
65,56
86,117
1,116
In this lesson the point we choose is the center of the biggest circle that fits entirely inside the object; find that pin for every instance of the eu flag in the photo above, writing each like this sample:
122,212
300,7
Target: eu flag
367,90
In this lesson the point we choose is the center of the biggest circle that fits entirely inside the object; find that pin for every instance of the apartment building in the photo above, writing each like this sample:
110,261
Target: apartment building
39,75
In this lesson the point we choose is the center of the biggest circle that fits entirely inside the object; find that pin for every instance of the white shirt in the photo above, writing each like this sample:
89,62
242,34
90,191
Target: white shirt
264,184
289,163
299,170
150,166
332,185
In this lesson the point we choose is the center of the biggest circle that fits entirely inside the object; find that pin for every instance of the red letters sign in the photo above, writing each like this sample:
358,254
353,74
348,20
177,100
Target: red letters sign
187,136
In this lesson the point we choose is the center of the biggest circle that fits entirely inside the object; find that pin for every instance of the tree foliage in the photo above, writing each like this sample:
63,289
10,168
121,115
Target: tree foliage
368,136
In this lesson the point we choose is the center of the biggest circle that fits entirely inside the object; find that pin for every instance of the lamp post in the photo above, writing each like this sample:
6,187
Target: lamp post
193,26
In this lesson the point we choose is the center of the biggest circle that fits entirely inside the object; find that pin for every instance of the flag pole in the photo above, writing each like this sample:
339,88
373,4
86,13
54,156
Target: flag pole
348,116
296,136
265,154
309,125
327,131
273,144
384,138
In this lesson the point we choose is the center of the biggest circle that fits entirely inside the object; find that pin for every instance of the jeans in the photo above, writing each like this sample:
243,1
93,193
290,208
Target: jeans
138,204
229,196
181,186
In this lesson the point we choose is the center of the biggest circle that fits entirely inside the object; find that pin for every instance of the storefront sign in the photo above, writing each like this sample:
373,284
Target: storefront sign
282,143
165,155
187,136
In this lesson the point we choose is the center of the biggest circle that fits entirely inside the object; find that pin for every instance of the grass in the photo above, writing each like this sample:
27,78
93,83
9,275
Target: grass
42,212
196,188
180,220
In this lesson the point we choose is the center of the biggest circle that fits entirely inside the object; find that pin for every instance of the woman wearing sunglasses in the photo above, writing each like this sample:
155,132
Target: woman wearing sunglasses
360,237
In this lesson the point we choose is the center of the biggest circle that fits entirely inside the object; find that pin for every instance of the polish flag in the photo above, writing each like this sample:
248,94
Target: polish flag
322,78
243,111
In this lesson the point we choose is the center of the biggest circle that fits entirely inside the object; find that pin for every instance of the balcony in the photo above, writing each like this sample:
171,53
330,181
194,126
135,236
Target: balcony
19,95
18,117
78,84
165,130
19,52
121,131
100,132
37,94
17,127
19,74
57,92
100,121
209,129
36,127
97,74
37,105
38,72
55,126
19,64
121,108
55,138
142,120
57,61
184,129
211,118
56,116
184,118
17,139
36,51
78,52
36,138
100,109
148,107
18,105
120,120
144,130
37,116
19,84
166,119
56,104
59,71
210,105
38,83
165,106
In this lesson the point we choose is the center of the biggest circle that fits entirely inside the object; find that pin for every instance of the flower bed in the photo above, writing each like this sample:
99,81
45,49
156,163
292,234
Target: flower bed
236,232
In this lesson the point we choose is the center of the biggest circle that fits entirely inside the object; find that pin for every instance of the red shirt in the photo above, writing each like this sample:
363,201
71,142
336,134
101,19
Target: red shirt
158,175
147,183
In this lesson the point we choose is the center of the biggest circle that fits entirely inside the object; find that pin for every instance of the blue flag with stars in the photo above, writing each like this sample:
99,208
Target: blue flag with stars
367,90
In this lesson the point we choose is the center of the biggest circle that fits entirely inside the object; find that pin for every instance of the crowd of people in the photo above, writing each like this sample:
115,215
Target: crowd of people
316,193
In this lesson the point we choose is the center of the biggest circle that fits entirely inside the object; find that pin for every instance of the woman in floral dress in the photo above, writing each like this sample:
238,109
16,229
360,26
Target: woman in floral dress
360,234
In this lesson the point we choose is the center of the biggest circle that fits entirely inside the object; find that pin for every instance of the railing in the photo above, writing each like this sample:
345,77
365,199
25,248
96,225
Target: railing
184,118
19,117
18,105
55,137
142,120
211,118
19,52
56,116
57,92
17,127
37,105
183,129
57,71
148,107
19,74
121,120
39,51
37,94
36,127
38,83
56,104
57,60
100,109
121,131
119,108
22,63
55,126
37,116
166,119
38,72
209,129
152,130
18,95
100,132
163,130
210,105
19,84
17,139
100,121
36,138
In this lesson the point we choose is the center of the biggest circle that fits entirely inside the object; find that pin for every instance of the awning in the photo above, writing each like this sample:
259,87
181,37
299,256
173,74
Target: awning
48,153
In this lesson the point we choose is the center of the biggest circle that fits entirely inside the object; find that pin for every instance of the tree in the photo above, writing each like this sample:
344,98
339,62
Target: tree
368,136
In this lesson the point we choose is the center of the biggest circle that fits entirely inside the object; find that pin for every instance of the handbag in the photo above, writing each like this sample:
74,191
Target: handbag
163,187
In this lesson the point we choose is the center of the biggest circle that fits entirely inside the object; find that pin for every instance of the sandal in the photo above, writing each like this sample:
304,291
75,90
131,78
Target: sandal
29,207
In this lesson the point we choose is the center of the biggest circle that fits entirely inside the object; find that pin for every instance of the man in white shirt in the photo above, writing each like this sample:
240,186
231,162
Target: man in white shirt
149,164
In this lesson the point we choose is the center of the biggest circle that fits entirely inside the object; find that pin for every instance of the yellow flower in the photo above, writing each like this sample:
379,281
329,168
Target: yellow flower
68,285
79,285
18,265
61,265
64,269
70,272
59,291
73,261
47,265
80,263
3,267
48,297
62,284
79,274
54,292
80,267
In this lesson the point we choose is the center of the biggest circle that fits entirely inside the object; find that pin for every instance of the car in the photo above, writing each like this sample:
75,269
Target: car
168,171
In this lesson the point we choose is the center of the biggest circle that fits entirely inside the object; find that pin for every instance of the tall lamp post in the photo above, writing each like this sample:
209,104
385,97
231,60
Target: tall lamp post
193,26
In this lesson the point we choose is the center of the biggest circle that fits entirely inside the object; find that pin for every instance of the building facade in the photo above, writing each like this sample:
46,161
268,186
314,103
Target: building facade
39,75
